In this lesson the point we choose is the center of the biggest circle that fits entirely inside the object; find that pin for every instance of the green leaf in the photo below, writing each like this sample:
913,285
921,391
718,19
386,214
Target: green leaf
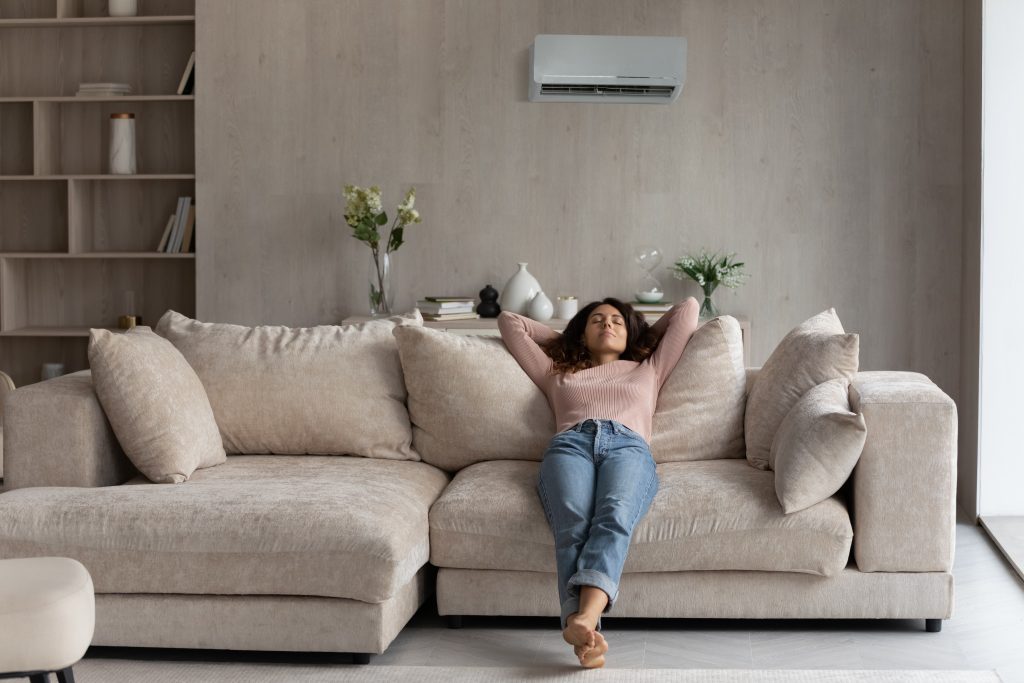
382,218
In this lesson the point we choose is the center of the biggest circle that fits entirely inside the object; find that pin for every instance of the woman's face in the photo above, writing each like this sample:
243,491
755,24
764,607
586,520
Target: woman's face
606,331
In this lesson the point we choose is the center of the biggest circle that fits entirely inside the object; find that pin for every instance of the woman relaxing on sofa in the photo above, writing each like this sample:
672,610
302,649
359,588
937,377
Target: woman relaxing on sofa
601,377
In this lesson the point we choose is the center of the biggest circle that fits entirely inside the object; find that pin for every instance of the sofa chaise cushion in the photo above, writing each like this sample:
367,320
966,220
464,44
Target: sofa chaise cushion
713,514
343,527
326,390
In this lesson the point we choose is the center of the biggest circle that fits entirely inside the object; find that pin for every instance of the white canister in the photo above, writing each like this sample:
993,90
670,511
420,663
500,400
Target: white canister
540,307
123,8
566,307
122,144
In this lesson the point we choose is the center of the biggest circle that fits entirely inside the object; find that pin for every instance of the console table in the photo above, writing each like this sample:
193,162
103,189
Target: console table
488,327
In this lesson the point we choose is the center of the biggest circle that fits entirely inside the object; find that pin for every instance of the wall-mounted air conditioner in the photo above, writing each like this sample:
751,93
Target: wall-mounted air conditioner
607,68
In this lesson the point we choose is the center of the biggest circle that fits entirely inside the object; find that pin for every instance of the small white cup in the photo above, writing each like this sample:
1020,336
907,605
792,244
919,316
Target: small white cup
566,307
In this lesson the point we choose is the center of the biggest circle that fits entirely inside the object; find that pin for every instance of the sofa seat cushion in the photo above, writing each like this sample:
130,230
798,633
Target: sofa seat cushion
332,526
713,514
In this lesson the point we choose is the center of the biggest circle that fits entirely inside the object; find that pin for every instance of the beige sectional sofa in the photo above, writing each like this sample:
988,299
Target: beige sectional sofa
332,552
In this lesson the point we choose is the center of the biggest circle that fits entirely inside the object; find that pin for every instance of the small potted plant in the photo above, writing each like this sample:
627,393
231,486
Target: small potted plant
364,213
709,271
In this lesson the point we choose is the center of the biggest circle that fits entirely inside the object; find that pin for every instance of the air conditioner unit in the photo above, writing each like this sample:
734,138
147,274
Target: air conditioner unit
607,68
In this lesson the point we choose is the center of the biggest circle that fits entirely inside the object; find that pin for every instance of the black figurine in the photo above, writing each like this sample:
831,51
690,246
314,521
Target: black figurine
488,306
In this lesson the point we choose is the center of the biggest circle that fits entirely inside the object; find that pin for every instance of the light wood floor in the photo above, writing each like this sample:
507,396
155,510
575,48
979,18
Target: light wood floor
986,632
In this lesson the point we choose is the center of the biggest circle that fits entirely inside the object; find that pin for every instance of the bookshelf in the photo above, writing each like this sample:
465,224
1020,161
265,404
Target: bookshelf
75,239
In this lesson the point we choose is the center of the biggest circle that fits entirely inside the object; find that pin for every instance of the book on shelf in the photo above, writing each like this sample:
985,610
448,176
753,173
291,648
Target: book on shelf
176,240
450,299
641,307
187,85
190,222
445,307
103,89
167,234
451,316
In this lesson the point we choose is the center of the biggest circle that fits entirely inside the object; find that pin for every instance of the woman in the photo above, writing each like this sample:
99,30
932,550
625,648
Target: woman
601,378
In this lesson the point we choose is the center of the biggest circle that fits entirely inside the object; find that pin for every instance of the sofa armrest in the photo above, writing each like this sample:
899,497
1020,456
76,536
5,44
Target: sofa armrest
904,485
56,434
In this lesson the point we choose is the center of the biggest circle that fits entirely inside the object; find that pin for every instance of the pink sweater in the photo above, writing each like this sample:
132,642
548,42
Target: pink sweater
622,390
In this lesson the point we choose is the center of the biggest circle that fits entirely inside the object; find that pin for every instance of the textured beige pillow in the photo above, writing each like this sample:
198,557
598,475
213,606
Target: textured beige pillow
326,390
700,407
817,446
815,351
470,401
155,403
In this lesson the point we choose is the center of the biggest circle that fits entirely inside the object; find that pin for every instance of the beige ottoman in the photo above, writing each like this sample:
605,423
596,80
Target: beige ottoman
47,614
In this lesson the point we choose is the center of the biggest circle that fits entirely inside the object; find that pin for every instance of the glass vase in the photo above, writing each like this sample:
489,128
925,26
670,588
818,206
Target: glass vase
708,310
382,291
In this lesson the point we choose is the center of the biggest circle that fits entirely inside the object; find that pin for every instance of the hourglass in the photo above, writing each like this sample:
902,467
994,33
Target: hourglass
648,290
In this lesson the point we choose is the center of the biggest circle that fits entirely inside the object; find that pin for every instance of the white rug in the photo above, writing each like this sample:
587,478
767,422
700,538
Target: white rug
130,671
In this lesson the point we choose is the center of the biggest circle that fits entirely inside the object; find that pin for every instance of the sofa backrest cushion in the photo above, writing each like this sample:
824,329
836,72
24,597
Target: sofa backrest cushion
813,352
817,446
470,401
156,405
325,390
700,408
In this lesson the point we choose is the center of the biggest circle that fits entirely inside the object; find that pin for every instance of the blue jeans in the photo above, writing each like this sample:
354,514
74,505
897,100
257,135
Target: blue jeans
596,481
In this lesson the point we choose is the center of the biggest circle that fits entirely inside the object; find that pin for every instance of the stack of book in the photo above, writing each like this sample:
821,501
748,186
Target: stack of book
103,89
447,308
651,311
177,237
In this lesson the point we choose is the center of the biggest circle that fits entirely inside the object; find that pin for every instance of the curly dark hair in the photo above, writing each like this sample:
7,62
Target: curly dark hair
570,353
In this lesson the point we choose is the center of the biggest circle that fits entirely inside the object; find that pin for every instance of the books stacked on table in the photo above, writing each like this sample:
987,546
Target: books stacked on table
651,312
103,89
447,308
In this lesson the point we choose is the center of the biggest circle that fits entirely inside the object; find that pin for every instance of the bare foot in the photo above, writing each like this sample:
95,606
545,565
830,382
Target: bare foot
594,657
579,633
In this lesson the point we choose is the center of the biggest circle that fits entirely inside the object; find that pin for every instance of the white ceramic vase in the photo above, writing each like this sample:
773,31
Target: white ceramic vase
122,144
123,8
540,307
518,291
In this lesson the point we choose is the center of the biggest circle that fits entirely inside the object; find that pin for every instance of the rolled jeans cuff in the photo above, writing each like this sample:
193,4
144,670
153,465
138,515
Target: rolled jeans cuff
588,577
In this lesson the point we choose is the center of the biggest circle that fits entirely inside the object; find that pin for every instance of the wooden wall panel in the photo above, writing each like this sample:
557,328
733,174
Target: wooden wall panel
821,141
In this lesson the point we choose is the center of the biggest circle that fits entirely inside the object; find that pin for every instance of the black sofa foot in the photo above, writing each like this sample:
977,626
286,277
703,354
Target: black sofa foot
360,657
933,625
453,620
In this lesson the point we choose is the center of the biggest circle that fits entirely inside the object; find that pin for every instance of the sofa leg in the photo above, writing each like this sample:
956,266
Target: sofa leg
453,620
933,625
360,657
39,678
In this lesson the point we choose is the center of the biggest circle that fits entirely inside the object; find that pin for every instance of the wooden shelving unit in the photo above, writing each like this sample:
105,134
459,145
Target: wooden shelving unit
74,239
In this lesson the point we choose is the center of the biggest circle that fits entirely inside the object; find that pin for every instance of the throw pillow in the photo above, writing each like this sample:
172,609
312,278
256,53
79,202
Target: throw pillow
700,407
326,390
155,403
817,446
815,351
470,401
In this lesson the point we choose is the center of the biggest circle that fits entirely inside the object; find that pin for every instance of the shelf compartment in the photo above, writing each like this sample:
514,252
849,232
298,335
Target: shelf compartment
98,8
16,138
22,357
121,217
164,137
51,62
34,216
89,292
27,9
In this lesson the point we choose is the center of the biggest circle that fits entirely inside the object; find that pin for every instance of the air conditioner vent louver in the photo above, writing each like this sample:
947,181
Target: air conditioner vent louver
656,91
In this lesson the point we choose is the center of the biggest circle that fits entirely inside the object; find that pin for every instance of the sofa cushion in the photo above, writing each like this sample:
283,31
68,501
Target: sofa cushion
700,407
813,352
328,526
470,401
155,403
713,514
817,446
327,390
